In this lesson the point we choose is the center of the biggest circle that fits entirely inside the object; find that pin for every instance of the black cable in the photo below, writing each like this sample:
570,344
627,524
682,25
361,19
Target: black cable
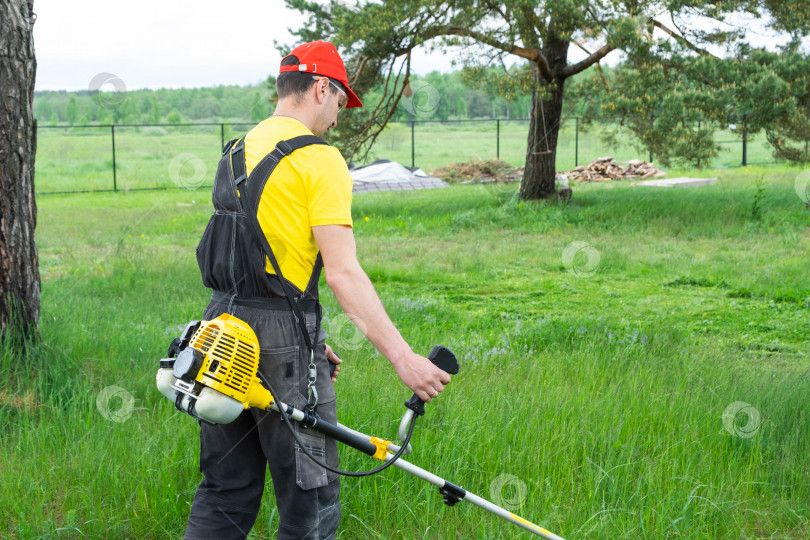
329,467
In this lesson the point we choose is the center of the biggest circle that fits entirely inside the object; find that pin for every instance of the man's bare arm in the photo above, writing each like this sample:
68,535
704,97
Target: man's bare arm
356,295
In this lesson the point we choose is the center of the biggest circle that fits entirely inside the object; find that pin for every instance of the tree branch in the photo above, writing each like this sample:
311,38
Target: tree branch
533,55
595,16
597,67
573,69
497,8
581,46
680,38
359,70
372,129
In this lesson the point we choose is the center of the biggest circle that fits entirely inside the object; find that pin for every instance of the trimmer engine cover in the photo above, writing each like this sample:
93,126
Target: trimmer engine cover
214,375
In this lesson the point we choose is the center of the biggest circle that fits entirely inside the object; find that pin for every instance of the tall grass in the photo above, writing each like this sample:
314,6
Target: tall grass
601,391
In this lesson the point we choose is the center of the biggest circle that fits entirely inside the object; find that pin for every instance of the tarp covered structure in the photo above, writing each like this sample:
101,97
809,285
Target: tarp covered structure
389,175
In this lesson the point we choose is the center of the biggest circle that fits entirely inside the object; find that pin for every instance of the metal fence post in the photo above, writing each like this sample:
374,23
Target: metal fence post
413,151
498,138
576,141
222,135
115,181
745,146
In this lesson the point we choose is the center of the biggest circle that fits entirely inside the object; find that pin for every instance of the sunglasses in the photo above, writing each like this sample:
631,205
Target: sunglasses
343,102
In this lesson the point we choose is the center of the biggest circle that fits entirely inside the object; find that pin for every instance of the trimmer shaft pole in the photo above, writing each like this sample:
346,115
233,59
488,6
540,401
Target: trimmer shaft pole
475,499
452,493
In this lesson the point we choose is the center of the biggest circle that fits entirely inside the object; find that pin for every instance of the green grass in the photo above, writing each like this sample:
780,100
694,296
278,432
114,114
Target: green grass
80,159
604,394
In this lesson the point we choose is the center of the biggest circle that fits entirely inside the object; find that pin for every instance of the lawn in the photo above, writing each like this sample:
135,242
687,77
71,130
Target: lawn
634,363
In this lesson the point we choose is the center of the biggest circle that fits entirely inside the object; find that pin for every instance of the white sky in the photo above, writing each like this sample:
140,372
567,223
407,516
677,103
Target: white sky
167,43
176,43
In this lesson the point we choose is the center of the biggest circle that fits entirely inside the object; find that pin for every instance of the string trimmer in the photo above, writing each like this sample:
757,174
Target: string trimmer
212,374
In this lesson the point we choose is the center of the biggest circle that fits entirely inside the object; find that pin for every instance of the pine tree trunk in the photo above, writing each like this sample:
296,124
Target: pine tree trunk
544,126
19,264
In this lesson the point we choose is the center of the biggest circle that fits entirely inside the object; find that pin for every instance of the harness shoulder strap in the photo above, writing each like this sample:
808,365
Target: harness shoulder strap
240,179
291,145
253,187
238,170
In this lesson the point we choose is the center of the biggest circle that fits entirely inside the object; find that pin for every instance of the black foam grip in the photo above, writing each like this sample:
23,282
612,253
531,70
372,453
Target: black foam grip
444,359
344,436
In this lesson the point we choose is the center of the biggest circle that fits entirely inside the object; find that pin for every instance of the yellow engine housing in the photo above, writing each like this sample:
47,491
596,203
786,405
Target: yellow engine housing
231,362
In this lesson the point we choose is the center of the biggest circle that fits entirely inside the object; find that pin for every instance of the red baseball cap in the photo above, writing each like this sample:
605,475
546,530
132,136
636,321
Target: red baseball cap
322,58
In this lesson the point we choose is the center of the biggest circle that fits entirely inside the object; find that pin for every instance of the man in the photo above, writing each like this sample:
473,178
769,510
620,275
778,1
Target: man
303,208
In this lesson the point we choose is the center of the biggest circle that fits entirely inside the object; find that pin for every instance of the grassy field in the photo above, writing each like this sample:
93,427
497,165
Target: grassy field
634,364
80,159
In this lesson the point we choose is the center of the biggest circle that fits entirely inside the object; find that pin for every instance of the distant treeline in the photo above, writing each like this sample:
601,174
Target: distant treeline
437,96
451,96
172,106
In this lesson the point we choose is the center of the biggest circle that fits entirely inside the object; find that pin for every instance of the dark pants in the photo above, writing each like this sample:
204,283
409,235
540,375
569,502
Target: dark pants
234,457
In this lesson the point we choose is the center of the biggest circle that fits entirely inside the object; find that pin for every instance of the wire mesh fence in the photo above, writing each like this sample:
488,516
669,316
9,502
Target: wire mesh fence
129,157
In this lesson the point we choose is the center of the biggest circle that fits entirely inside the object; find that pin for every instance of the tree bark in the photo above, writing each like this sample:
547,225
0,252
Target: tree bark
544,126
19,263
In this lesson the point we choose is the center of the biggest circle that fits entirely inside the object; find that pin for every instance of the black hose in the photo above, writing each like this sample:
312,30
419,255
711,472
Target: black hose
329,468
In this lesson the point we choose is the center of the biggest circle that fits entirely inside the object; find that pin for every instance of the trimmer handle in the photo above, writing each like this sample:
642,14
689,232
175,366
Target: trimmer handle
444,359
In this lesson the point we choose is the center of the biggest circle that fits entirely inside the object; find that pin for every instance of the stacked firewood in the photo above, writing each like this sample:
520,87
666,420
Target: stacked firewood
606,168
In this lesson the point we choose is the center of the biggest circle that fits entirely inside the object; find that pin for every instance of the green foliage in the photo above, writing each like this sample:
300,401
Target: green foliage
664,88
455,94
790,134
155,114
72,111
258,108
174,117
676,103
232,103
792,16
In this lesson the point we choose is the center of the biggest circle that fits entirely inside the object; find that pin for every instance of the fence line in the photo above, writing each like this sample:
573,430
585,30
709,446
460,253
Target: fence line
410,123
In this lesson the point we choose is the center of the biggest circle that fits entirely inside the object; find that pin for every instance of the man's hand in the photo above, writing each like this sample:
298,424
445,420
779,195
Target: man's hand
334,359
421,376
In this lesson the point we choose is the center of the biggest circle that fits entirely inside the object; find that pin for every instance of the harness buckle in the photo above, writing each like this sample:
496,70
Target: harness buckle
284,148
312,377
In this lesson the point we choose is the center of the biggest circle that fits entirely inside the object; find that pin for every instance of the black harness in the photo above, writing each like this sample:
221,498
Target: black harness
231,257
233,250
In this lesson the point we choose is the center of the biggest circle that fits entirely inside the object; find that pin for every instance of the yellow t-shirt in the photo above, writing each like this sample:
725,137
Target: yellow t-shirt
309,187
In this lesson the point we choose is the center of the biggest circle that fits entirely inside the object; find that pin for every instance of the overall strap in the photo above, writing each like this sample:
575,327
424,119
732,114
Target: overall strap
312,286
268,164
259,178
288,147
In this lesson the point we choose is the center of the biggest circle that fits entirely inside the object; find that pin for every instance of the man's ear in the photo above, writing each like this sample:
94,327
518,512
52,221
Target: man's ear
320,91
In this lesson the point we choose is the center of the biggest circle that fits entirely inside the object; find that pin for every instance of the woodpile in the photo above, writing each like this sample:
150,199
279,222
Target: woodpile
606,168
478,172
